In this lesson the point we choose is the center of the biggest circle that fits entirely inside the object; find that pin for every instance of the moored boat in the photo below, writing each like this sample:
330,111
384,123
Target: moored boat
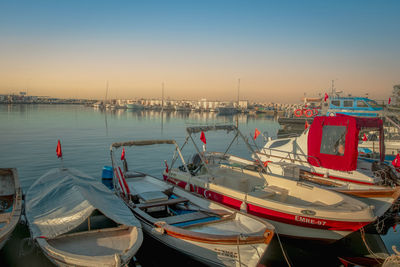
296,209
10,203
201,229
78,221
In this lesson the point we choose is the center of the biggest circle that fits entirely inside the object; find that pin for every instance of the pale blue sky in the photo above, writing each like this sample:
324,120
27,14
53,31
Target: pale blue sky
279,49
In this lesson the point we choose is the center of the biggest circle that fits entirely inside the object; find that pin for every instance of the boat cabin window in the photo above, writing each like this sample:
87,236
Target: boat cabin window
333,140
361,104
373,104
279,143
348,103
335,103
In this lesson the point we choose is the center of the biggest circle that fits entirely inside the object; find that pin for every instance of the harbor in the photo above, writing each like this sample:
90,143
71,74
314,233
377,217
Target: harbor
87,134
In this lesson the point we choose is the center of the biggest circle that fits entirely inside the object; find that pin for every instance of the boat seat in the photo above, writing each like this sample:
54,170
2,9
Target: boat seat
161,203
129,174
5,217
193,216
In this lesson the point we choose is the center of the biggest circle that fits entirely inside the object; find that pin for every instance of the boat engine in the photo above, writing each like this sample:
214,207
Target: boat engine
387,174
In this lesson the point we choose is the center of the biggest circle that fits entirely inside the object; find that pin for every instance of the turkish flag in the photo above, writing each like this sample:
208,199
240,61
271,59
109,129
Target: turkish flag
390,100
364,138
326,97
396,161
123,153
256,133
306,125
58,150
203,137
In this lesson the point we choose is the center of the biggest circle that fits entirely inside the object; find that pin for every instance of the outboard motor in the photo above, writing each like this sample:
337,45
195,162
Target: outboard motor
386,173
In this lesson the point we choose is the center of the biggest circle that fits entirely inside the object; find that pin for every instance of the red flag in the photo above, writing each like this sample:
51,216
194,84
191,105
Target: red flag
256,133
396,161
58,150
123,153
203,137
306,125
364,137
166,166
390,100
326,97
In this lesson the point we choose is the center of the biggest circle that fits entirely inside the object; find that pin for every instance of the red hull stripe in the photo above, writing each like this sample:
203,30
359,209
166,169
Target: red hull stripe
342,179
297,220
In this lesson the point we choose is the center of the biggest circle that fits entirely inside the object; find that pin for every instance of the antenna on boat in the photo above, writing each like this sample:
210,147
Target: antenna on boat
237,107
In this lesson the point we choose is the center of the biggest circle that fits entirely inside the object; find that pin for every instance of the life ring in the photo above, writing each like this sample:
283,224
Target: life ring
308,113
298,112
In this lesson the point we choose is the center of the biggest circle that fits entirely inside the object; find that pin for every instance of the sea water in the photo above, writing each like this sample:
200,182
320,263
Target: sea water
28,140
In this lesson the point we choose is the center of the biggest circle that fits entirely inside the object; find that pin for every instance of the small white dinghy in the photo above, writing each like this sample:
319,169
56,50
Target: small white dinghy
77,221
201,229
10,203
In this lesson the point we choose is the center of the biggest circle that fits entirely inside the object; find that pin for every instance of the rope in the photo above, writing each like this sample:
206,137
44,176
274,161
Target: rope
376,257
283,251
238,249
392,259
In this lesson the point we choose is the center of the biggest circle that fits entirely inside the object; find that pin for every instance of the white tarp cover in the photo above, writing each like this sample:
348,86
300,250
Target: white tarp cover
62,199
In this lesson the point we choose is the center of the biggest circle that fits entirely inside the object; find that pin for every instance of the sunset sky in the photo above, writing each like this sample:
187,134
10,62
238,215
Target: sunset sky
199,49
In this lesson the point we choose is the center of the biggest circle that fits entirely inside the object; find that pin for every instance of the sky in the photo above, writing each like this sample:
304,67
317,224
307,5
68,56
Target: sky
280,50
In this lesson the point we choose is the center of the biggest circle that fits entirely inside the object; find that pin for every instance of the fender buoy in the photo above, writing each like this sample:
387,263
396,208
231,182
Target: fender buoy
308,113
331,114
298,112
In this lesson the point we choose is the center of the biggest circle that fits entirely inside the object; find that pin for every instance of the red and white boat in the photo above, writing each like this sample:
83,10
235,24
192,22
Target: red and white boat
316,157
296,209
202,229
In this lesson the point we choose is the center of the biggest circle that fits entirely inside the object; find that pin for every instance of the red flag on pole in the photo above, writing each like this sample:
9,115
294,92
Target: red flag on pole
306,125
203,137
58,150
390,100
364,137
123,153
256,133
396,161
326,97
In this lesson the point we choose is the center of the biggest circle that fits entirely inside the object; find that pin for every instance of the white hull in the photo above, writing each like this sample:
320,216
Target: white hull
10,193
110,247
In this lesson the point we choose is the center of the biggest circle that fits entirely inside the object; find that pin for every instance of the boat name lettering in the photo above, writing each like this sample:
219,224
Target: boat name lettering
226,253
308,220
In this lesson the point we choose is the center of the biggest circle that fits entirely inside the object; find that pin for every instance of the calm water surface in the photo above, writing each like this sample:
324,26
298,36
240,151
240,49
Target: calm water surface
28,139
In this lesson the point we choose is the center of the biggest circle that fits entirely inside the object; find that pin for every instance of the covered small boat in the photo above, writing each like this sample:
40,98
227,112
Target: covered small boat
10,203
201,229
77,221
296,209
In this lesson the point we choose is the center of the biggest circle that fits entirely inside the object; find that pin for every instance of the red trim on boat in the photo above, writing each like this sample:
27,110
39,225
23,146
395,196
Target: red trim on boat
292,219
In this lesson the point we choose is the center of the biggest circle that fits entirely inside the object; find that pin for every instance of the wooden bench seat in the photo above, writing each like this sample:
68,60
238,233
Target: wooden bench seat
162,203
197,215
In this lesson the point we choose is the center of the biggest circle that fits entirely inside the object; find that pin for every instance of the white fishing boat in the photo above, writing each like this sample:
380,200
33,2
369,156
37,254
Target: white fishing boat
316,158
77,221
328,150
296,209
201,229
10,203
134,105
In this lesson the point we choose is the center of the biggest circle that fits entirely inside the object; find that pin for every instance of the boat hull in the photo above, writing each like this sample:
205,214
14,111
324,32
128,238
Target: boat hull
287,224
11,199
82,249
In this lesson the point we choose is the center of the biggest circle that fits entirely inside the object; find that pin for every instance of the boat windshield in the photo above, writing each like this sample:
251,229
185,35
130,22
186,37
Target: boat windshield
333,140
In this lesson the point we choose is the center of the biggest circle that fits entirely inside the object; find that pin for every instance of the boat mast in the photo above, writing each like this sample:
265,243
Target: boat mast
162,97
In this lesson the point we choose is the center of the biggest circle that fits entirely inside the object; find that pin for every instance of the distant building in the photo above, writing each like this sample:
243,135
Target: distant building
396,95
